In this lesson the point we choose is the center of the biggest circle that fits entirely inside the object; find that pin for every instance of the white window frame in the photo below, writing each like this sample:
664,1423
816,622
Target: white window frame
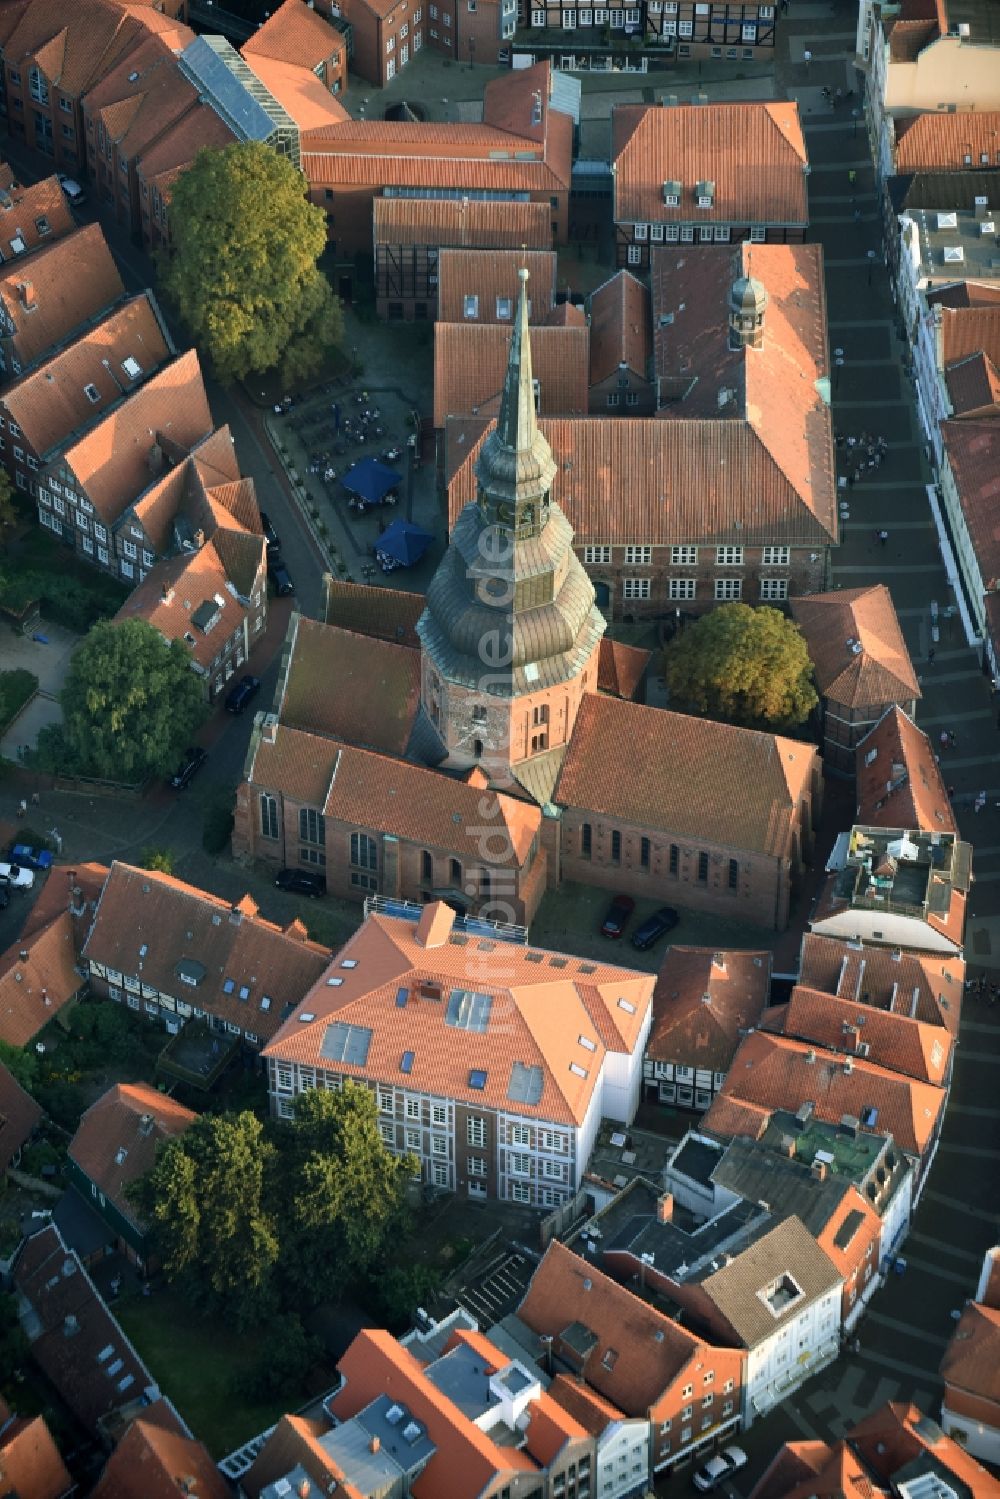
775,556
596,554
728,590
728,556
636,588
683,590
773,590
639,555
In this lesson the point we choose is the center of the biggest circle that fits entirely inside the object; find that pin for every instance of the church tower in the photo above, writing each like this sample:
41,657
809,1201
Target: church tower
510,636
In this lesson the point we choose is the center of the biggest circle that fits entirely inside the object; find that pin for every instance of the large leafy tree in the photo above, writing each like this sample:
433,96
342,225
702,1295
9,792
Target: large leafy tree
8,510
243,272
130,705
749,666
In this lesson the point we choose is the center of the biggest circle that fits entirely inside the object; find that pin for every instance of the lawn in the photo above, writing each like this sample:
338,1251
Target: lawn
195,1360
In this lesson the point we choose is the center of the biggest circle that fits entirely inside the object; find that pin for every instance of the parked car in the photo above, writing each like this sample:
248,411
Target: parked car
17,876
654,927
29,858
75,195
617,919
270,534
194,759
280,576
301,882
245,689
718,1468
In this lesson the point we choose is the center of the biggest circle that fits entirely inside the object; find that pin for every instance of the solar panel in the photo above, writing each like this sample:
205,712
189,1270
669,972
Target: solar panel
469,1011
526,1084
346,1043
477,1079
406,1065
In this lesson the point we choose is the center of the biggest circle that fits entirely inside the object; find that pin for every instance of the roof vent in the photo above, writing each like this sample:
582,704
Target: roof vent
145,1124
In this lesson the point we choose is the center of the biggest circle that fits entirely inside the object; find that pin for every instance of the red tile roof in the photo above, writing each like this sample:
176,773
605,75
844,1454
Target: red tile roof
167,157
813,1470
621,331
304,96
385,613
144,95
621,668
566,1289
703,1002
973,449
899,1432
969,330
928,985
26,211
378,686
733,787
35,987
492,275
543,1007
899,781
939,141
19,1114
586,1406
470,361
153,1461
30,1464
857,647
972,1359
894,1039
664,482
74,46
236,946
774,1072
117,1139
465,223
294,33
69,887
61,287
295,1440
776,390
754,153
974,386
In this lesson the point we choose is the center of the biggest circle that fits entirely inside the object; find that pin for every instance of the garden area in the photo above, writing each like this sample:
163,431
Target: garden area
37,567
16,688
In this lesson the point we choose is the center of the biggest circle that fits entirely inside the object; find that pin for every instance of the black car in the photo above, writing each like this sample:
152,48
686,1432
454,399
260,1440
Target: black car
271,536
301,882
280,577
194,759
654,927
617,919
245,689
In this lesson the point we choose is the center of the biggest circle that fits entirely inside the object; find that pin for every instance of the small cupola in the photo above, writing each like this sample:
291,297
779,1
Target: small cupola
747,305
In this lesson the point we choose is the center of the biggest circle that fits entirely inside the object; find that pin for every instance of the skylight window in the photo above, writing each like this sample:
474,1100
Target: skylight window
229,986
306,1015
587,1044
334,983
265,1001
477,1079
406,1063
349,963
627,1006
132,367
346,1043
577,1070
468,1010
244,992
92,393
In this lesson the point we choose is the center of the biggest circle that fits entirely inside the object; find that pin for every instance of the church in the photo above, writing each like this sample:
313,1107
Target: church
482,746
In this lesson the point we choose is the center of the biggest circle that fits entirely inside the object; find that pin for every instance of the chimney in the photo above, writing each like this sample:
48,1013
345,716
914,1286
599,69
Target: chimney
23,955
154,459
236,916
719,961
435,924
145,1125
45,996
545,1338
818,1169
198,538
27,290
980,207
665,1208
305,1487
374,1444
787,1147
167,594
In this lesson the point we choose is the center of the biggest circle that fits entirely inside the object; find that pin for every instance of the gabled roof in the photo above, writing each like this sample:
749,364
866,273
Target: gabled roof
295,1442
112,460
378,686
775,1072
75,45
972,1359
653,1349
59,288
899,781
384,613
857,648
30,1464
754,154
969,329
621,330
941,141
663,482
144,95
470,361
167,157
465,223
117,1139
35,987
704,1001
973,387
621,668
894,1039
585,1405
32,216
973,449
236,947
534,1041
19,1114
729,786
294,33
51,405
489,276
739,1288
155,1459
305,97
929,986
814,1470
898,1432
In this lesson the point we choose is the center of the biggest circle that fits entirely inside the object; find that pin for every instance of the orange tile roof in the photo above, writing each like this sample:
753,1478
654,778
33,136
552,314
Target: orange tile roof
73,46
774,1072
973,449
754,153
928,985
566,315
621,668
733,787
894,1039
941,142
463,223
305,98
969,330
899,1432
621,329
586,1406
777,390
57,895
664,482
899,781
294,33
566,1289
34,988
236,946
167,157
68,282
26,211
385,613
145,94
193,597
490,275
30,1463
118,1136
295,1440
378,686
972,1358
974,386
857,647
470,361
112,460
702,1003
50,405
733,1118
542,1007
392,796
19,1114
812,1470
151,1462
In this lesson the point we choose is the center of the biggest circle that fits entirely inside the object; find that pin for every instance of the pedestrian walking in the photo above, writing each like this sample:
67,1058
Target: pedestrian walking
883,537
980,802
852,176
951,792
807,57
953,739
944,738
930,656
22,807
34,798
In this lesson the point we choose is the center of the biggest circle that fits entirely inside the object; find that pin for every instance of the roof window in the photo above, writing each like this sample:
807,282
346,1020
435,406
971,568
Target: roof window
92,393
132,367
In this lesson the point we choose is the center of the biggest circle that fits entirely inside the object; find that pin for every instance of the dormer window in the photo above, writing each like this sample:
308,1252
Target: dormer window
672,194
505,309
470,306
705,194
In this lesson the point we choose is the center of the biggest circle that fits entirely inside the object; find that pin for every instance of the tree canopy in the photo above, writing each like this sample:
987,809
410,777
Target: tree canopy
242,270
748,666
130,705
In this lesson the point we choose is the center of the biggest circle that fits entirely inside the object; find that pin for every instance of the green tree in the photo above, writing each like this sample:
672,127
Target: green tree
160,859
749,666
130,704
205,1202
242,271
23,1064
342,1192
9,517
287,1352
